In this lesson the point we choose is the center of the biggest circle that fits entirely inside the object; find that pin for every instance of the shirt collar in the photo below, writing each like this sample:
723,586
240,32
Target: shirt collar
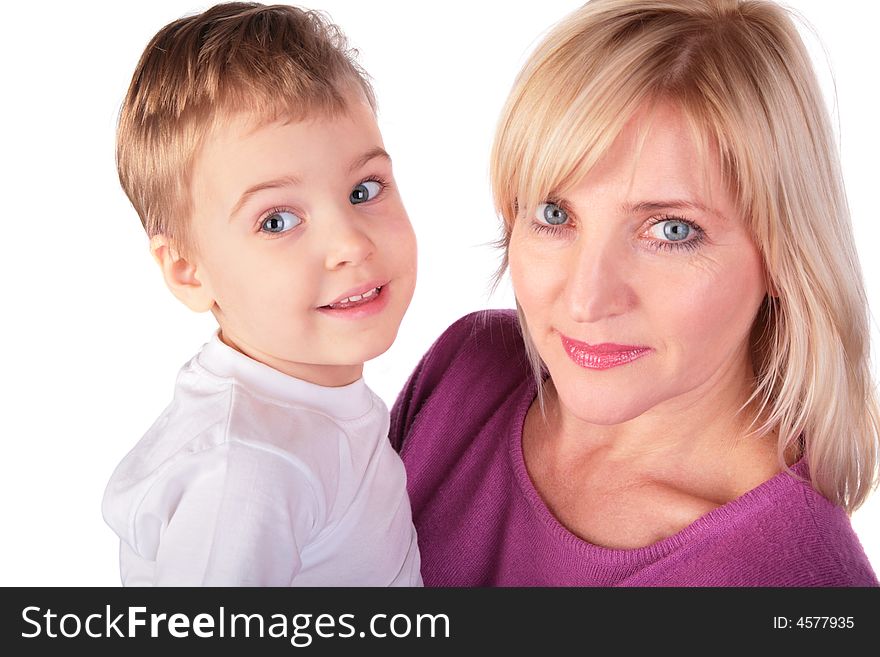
347,402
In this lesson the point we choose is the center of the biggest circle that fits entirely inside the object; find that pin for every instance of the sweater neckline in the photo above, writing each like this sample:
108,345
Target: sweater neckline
348,402
707,524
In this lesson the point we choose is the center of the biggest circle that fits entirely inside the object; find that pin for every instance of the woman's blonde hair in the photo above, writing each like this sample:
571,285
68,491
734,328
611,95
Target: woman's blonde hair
271,62
741,75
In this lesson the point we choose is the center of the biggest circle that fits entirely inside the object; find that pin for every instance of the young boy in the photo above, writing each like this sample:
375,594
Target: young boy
248,144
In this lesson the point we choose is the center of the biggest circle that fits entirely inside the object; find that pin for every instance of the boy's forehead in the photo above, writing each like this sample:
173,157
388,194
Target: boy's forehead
244,149
237,128
351,103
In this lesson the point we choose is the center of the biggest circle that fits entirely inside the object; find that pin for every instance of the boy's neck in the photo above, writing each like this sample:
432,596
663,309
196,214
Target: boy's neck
330,376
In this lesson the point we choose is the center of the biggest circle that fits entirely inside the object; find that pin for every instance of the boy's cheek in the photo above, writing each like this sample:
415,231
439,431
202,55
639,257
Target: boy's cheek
405,238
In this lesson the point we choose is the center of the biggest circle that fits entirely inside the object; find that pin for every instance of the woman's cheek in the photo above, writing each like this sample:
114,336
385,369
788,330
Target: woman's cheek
534,273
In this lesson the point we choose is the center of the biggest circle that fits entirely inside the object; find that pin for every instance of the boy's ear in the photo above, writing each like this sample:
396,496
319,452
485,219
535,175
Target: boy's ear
181,275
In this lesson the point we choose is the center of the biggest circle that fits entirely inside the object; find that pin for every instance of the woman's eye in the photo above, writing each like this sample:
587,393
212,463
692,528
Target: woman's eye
670,231
551,213
364,192
280,222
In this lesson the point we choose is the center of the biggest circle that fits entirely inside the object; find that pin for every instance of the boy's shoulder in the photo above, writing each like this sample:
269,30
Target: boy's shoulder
209,412
211,423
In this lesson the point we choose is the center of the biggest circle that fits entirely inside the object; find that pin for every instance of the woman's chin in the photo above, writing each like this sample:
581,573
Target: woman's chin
601,409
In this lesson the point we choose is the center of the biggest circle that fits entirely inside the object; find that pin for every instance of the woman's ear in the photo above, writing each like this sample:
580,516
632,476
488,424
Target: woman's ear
181,275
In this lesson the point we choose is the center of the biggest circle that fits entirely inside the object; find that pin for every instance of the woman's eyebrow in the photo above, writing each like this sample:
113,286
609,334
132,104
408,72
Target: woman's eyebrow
673,204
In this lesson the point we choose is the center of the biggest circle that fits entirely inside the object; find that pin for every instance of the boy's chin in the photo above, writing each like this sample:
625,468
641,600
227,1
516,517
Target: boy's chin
373,350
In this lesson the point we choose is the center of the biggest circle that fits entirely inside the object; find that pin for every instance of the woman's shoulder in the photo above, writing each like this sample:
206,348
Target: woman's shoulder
474,364
828,542
487,332
480,343
790,535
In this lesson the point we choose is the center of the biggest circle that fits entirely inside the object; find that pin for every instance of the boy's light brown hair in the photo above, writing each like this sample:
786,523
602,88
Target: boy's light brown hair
274,62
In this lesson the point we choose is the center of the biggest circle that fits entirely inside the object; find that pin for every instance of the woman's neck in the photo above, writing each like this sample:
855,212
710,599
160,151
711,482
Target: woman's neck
706,440
631,484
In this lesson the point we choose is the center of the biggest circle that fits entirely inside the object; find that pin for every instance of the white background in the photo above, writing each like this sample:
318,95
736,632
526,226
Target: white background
92,338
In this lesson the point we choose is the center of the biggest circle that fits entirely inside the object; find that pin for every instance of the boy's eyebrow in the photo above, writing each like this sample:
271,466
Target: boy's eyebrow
373,153
285,181
289,181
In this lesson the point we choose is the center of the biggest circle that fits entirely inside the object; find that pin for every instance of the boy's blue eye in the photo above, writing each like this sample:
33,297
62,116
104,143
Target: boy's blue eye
280,222
364,191
551,213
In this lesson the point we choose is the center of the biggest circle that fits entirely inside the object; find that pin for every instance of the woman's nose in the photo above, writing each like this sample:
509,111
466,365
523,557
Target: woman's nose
597,287
346,242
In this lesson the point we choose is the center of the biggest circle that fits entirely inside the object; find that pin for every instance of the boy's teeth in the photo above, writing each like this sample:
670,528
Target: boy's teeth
355,298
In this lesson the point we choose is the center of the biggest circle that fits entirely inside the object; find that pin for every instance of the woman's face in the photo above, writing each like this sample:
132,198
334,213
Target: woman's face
640,284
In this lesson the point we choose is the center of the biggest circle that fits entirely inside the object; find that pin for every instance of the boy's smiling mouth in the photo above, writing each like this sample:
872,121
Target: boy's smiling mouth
356,298
353,300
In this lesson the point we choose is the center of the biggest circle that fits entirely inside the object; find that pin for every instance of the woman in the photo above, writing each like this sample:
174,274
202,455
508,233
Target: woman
683,397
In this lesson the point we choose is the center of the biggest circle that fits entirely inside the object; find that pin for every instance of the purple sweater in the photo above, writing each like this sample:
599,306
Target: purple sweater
458,424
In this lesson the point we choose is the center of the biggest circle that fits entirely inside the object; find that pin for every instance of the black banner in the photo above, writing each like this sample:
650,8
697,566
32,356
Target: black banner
432,621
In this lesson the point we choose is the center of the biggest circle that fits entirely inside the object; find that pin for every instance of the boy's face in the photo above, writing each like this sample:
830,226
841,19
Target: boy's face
293,224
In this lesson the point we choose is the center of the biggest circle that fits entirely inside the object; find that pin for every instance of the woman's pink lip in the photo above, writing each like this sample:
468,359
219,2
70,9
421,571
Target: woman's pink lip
601,356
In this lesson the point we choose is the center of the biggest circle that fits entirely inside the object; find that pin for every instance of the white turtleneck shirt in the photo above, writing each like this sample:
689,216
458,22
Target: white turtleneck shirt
251,477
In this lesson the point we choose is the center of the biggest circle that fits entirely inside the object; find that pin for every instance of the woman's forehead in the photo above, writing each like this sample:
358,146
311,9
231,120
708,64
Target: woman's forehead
659,154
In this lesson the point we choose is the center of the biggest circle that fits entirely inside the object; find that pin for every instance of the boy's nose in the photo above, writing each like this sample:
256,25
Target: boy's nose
347,244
